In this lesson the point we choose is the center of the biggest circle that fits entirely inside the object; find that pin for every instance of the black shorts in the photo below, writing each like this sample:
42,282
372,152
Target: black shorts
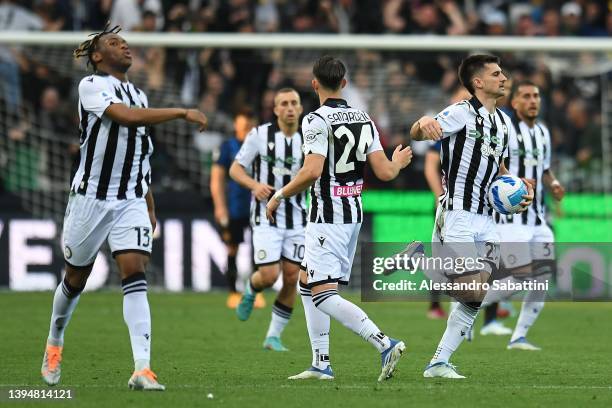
234,232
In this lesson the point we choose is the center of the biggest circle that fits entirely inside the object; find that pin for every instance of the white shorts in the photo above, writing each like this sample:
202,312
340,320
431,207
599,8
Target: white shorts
270,244
462,234
523,244
89,222
330,249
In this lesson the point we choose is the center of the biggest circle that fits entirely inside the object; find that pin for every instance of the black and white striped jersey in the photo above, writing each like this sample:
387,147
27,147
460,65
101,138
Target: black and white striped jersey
529,157
114,159
474,143
345,136
274,159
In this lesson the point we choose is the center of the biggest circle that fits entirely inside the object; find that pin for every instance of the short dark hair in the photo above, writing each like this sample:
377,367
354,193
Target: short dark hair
246,112
471,65
518,84
329,71
286,90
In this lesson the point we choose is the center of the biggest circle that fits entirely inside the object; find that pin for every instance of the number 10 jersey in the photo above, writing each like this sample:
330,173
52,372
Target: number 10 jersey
344,136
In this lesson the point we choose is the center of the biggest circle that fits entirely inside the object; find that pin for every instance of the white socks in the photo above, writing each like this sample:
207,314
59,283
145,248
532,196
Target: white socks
317,323
529,314
64,302
460,320
280,317
352,317
137,317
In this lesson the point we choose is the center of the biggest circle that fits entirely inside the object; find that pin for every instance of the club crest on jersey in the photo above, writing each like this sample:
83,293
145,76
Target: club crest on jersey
271,145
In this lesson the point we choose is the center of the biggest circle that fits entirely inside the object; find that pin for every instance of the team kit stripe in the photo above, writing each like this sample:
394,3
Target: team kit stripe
471,157
277,159
528,152
341,170
114,162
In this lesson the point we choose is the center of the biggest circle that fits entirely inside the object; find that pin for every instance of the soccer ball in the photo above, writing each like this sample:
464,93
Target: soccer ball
506,193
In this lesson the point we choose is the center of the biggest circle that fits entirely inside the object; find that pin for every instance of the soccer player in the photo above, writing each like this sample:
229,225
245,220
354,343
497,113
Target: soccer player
337,141
274,153
474,135
110,199
529,253
231,200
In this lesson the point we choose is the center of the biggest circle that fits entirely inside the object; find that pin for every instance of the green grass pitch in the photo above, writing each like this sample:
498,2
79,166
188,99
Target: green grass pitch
199,347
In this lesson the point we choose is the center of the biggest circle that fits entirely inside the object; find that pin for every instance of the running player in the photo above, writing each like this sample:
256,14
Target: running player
337,141
274,153
110,199
474,136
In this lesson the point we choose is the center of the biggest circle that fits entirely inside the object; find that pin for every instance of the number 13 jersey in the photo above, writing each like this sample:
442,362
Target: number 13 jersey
344,136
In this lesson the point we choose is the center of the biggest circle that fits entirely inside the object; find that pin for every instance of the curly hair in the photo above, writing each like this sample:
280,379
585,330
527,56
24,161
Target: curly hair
88,47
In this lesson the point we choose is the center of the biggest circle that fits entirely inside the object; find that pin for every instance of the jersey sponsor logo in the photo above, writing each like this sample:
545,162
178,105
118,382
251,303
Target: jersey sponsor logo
274,160
281,171
487,150
348,191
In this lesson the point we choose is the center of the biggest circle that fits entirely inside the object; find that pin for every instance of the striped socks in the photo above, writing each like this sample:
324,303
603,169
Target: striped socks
352,317
317,323
137,317
280,317
64,302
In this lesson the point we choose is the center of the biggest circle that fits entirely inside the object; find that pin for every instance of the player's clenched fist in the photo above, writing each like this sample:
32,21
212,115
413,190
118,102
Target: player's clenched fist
402,156
197,117
430,128
262,191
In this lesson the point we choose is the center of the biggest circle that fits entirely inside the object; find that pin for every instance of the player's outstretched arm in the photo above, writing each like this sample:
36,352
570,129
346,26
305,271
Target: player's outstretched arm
309,173
426,128
127,116
239,174
385,169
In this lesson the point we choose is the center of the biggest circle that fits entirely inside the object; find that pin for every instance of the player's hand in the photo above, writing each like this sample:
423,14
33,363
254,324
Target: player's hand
402,156
221,216
430,128
557,191
153,219
197,117
262,191
527,198
271,209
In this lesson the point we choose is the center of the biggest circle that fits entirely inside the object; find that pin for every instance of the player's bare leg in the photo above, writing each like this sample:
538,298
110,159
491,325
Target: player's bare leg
137,316
65,301
283,306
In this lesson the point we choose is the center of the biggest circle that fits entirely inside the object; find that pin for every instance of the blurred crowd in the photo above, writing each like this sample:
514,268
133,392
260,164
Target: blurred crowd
37,97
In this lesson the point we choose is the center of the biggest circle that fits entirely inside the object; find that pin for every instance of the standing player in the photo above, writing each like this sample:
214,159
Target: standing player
110,199
337,141
530,251
231,200
274,153
474,137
